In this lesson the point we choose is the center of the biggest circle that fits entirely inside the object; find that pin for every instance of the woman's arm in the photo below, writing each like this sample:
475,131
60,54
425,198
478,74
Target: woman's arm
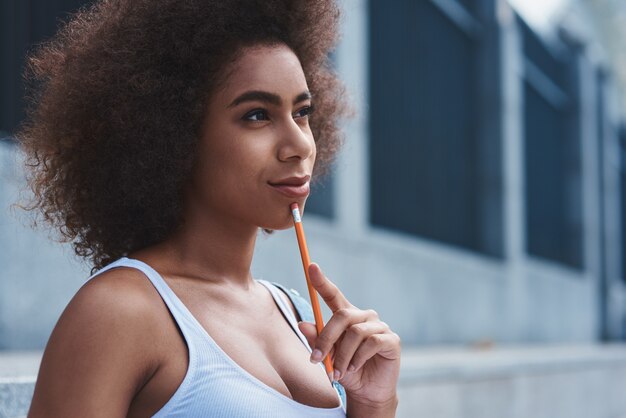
358,410
100,352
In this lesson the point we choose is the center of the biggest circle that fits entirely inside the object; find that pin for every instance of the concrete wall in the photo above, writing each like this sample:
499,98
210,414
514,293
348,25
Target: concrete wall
430,294
37,276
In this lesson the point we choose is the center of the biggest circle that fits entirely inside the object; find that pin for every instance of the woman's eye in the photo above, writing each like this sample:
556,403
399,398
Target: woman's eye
258,115
306,110
255,113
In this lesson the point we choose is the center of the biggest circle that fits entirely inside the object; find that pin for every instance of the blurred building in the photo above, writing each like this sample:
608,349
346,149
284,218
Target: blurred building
479,202
602,23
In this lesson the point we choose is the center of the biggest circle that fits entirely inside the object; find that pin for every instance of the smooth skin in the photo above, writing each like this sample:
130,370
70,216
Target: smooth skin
116,350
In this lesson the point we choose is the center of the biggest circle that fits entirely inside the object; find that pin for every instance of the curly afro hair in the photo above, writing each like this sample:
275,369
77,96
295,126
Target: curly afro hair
116,100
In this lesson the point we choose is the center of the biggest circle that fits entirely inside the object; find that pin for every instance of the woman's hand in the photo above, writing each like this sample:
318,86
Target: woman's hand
364,351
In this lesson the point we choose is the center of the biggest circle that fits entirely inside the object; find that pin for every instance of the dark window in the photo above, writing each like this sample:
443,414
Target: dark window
552,157
423,115
469,5
23,23
320,201
623,196
600,132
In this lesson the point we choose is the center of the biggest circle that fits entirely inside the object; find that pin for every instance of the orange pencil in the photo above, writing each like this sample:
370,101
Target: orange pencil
306,261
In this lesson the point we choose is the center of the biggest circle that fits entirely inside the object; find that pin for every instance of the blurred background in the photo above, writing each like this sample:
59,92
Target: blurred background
479,205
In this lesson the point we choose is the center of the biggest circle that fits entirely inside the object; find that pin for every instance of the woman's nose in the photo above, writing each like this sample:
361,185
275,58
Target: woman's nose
297,142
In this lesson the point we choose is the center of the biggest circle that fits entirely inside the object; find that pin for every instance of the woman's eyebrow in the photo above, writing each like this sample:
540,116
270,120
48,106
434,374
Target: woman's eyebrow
265,96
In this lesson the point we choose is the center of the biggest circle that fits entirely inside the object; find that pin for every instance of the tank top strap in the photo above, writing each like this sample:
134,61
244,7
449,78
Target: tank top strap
285,309
302,306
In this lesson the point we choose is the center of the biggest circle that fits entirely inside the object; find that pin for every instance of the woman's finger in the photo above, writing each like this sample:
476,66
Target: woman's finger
327,289
386,345
337,325
352,340
310,332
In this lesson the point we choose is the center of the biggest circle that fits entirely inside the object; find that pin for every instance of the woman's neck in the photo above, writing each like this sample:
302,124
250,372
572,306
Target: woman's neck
207,246
214,251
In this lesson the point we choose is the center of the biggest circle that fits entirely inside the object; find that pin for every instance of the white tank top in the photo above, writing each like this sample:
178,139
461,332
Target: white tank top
215,385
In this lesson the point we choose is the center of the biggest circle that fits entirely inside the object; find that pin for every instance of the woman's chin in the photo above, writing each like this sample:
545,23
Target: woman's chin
279,224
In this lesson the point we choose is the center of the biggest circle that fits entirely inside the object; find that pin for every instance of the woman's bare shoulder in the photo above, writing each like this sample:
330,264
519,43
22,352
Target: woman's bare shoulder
122,297
104,347
125,286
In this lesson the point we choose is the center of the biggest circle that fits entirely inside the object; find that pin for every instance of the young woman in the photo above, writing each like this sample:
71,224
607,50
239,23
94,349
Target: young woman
162,135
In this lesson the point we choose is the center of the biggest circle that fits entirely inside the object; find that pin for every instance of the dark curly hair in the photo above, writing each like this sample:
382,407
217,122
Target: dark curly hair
116,99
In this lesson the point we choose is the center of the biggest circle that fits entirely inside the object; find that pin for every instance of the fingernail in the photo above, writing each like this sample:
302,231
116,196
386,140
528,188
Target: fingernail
351,368
337,375
316,356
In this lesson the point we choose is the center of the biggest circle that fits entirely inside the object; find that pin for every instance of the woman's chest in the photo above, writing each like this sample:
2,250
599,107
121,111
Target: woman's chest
263,351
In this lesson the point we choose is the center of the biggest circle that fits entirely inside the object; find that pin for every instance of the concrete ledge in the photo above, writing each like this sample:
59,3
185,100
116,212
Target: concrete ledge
543,381
15,397
18,371
551,381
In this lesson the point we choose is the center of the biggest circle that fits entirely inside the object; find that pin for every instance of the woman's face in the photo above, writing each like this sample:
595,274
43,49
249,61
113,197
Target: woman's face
250,140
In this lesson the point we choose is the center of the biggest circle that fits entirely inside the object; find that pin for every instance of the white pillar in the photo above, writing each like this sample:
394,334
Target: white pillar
352,169
514,217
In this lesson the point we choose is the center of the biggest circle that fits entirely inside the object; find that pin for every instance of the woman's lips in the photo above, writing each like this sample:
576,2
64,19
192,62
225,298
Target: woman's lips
291,190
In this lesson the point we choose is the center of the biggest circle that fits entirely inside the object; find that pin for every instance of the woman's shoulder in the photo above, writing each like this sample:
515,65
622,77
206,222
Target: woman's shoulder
117,294
124,300
104,346
118,304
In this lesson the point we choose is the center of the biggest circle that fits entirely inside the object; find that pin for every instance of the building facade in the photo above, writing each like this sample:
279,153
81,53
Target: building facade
479,203
479,198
